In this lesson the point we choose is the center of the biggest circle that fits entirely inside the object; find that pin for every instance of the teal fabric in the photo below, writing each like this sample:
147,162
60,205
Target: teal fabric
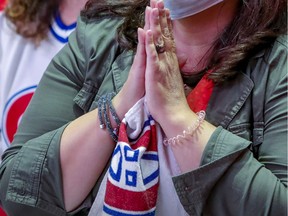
231,180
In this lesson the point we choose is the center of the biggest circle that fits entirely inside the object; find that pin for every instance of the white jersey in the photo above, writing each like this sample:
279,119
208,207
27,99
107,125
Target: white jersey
21,67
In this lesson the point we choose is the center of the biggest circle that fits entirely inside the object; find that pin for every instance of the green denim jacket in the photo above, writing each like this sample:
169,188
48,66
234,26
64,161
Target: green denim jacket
250,113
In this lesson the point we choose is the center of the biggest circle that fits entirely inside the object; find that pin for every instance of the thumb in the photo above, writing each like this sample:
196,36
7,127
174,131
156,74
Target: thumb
141,52
139,63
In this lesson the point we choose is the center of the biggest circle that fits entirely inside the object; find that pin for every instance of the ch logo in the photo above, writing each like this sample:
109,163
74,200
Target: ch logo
13,112
128,164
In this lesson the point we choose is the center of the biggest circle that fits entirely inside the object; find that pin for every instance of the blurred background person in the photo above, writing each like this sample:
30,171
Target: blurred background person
2,4
31,33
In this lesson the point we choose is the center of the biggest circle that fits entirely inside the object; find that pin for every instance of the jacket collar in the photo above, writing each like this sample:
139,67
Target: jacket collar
226,100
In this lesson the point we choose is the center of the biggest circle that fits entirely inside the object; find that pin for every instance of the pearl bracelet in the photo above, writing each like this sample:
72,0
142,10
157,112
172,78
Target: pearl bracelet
186,133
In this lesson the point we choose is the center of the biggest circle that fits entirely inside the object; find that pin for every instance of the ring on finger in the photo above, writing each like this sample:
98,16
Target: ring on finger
166,32
160,47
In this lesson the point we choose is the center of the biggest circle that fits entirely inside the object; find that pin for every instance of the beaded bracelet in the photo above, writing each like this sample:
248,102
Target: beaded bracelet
108,125
104,102
189,132
100,110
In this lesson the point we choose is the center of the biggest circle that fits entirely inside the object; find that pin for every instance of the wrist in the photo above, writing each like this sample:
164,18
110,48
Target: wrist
188,133
107,115
176,122
188,149
120,106
124,100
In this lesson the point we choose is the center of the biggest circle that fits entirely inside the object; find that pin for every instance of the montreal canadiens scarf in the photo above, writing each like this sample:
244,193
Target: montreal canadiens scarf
132,180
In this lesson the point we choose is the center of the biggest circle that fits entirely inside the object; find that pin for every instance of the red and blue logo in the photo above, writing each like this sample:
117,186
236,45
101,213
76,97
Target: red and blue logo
133,177
13,111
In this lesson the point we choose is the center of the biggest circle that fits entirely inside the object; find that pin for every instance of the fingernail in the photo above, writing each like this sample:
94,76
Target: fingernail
155,12
160,4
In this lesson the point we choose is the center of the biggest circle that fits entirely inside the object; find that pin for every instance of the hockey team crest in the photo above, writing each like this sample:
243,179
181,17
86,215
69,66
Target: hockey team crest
13,112
133,176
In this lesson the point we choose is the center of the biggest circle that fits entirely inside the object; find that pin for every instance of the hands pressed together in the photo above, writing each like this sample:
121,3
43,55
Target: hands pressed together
155,71
155,75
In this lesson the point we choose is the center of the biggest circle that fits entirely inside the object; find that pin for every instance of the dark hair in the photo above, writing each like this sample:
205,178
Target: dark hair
31,18
255,27
131,10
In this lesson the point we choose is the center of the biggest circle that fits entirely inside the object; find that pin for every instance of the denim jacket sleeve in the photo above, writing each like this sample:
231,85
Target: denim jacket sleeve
30,172
231,180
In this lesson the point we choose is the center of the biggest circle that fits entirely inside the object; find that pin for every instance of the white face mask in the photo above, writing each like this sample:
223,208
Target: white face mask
184,8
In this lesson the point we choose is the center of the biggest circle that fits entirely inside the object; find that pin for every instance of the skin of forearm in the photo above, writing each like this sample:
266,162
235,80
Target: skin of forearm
85,149
84,152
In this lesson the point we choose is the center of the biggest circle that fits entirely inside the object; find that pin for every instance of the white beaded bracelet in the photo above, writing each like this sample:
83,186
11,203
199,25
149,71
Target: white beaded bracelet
189,132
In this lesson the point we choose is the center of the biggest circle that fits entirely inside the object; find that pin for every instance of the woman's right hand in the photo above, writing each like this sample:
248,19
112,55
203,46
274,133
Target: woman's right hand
134,87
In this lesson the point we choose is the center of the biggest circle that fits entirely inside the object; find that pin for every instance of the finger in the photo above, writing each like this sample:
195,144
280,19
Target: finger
156,28
152,55
141,53
153,3
141,43
147,18
169,22
162,18
170,27
139,62
164,22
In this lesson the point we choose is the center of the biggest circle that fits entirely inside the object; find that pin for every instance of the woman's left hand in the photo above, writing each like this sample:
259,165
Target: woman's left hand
164,90
165,95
